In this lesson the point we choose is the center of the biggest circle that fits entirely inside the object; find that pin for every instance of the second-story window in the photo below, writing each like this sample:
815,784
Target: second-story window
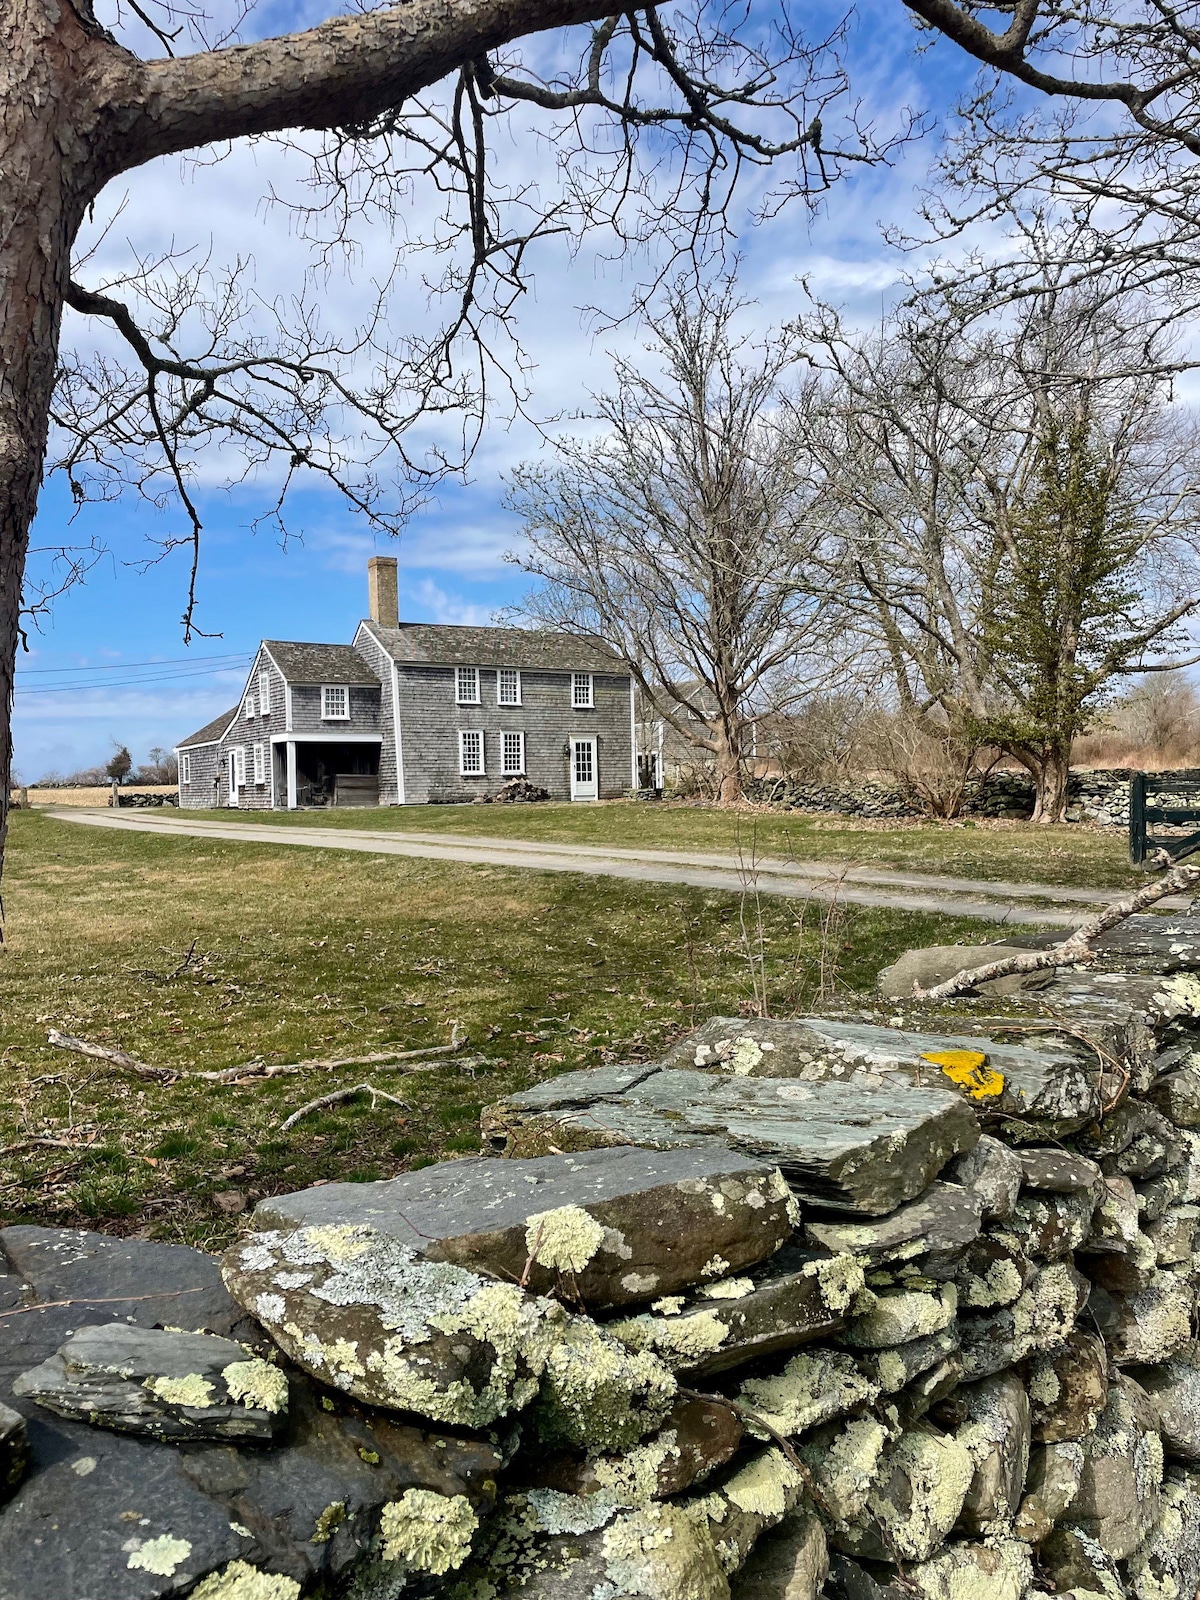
248,708
335,702
466,685
264,691
581,690
508,687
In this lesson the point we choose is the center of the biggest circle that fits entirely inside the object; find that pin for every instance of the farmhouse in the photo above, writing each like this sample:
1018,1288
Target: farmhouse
414,712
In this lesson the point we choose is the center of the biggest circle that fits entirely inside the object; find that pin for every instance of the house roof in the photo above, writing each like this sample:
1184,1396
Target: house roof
443,645
211,731
320,663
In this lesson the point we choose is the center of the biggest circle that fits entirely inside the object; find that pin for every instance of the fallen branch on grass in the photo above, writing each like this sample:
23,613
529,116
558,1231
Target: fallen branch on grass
250,1071
104,1052
1077,949
336,1097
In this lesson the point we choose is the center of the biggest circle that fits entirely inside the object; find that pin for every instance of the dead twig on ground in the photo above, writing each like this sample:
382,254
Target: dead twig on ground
41,1143
1076,949
107,1300
250,1071
336,1096
104,1052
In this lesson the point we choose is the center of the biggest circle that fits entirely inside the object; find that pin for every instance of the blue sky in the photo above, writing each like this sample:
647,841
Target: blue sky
89,681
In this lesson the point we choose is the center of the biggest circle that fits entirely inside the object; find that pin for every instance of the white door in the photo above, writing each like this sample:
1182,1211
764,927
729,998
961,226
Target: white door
584,781
237,775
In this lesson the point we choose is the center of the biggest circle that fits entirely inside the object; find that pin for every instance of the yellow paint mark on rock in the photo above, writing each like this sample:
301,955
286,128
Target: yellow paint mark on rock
968,1069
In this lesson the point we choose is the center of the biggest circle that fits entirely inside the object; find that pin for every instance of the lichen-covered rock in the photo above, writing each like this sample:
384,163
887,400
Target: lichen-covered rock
894,1367
995,1432
366,1314
713,1333
1076,1564
992,1272
1135,1140
946,1218
992,1173
696,1438
902,1315
1002,1570
1050,1226
790,1563
1167,1567
1051,1485
1175,1389
866,1151
1117,1502
919,1494
814,1386
849,1580
1173,1235
14,1450
924,1391
755,1499
1145,1328
597,1394
165,1385
618,1225
1067,1387
845,1459
1058,1171
1040,1319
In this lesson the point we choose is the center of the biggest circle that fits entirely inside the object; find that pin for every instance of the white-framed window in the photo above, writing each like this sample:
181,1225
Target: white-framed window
582,692
470,752
264,692
237,756
335,702
466,686
512,755
508,687
185,766
260,764
248,708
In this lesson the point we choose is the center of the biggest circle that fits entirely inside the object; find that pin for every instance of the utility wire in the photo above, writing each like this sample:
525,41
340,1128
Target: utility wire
129,666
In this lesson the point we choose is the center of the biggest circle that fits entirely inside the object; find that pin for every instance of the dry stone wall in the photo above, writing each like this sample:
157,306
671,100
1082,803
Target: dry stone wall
897,1302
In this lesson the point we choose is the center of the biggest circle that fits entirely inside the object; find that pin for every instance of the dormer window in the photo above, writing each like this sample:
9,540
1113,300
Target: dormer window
466,686
335,702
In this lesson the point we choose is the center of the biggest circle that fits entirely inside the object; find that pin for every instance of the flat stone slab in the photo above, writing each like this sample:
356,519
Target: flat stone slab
1046,1079
862,1143
946,1218
1148,943
619,1225
306,1505
165,1385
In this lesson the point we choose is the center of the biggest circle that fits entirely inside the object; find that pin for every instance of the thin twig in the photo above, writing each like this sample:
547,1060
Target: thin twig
1073,951
106,1300
336,1096
750,1415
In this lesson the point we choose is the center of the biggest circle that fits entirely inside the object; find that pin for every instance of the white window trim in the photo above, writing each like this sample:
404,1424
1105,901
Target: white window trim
185,766
264,692
459,698
248,708
505,770
237,755
335,716
463,770
500,671
260,763
590,703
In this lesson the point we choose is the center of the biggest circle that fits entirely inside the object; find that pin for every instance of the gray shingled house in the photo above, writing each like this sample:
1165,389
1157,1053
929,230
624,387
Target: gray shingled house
416,712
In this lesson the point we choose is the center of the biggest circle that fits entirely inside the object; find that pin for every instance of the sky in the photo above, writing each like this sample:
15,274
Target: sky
109,665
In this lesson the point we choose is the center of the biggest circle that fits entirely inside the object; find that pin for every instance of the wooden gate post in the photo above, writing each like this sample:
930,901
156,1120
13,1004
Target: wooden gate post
1137,818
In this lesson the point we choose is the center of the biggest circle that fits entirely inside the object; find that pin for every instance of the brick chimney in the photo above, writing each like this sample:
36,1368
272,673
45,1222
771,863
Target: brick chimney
383,591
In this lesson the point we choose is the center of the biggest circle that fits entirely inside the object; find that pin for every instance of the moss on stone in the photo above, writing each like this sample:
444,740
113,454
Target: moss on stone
429,1532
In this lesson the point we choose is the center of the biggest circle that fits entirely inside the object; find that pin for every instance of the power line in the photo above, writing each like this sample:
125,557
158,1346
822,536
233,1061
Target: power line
129,666
145,680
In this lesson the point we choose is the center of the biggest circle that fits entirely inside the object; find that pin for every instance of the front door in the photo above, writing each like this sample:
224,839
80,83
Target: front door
584,781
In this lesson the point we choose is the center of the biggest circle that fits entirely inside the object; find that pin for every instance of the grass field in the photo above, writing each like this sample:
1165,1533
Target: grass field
300,954
1072,855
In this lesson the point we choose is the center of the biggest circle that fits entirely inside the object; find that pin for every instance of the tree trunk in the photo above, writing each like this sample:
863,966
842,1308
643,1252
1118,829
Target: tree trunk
48,158
729,766
1051,775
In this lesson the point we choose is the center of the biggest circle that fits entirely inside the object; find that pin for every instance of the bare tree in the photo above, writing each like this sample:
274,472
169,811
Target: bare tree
1019,511
650,129
682,534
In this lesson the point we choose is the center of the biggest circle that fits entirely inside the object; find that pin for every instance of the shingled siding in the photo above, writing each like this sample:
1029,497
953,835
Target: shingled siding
249,731
430,721
365,712
201,790
381,663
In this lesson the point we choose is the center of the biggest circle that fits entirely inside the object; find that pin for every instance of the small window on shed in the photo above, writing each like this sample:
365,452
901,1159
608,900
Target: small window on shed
581,690
508,687
264,692
335,701
470,753
512,758
260,764
248,708
466,685
185,767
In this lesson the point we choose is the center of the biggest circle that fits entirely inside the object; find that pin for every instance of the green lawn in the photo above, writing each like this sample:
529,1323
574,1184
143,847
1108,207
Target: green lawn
301,954
1074,855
